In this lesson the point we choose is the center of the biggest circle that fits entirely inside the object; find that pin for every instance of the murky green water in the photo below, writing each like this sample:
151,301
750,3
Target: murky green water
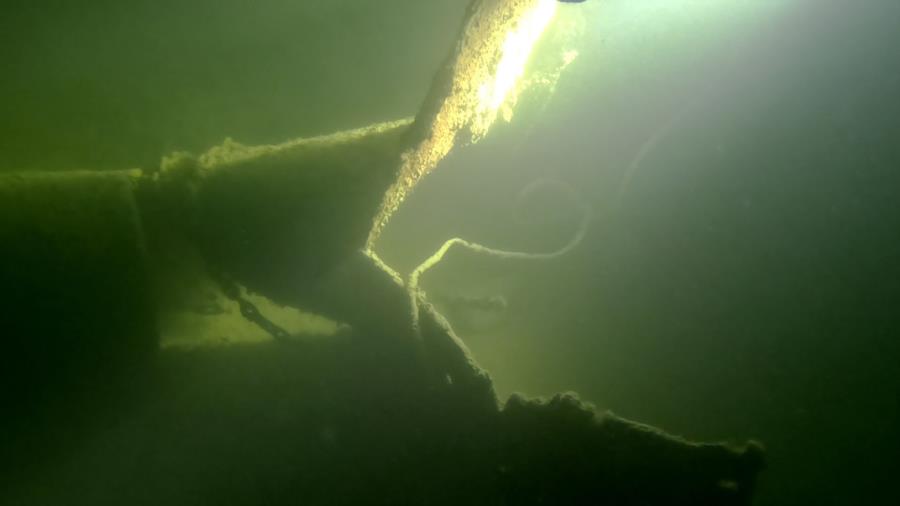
737,280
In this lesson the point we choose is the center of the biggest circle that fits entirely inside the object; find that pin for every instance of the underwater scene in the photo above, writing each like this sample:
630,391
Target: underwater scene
449,252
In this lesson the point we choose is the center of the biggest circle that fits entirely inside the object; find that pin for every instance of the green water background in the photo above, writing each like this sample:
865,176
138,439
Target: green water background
746,285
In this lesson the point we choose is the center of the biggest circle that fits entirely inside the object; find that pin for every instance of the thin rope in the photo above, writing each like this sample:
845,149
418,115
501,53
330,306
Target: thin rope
412,284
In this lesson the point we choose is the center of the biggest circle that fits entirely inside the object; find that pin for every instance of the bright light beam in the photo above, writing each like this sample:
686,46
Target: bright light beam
487,69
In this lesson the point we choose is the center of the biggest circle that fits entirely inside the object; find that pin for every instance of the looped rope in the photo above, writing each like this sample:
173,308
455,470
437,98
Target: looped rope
412,284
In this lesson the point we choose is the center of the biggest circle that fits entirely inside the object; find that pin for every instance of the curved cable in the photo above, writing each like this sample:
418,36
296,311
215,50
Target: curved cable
412,285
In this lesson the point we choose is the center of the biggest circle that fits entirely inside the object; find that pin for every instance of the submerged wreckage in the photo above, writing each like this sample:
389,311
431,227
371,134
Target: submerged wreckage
95,264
